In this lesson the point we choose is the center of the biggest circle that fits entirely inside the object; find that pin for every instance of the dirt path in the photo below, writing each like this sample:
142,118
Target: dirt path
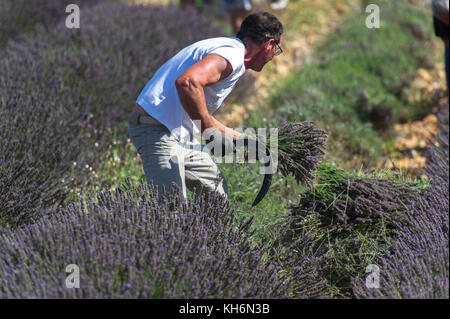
412,138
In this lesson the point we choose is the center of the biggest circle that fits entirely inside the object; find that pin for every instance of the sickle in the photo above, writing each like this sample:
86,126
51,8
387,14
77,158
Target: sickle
267,175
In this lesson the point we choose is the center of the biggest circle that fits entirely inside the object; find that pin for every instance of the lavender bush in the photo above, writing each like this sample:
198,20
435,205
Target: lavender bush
66,92
127,245
36,159
417,265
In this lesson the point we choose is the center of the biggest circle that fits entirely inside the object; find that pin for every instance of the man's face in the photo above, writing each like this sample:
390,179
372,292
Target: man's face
268,51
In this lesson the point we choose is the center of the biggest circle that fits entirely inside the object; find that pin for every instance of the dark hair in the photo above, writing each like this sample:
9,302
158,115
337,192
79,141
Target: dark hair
260,27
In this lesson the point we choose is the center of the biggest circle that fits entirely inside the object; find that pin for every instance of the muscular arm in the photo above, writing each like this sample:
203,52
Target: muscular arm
190,84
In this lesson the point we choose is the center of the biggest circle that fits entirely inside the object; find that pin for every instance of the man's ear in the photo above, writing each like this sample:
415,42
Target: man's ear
269,45
265,47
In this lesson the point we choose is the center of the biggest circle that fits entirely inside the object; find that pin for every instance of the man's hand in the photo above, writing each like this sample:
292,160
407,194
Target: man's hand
255,144
219,143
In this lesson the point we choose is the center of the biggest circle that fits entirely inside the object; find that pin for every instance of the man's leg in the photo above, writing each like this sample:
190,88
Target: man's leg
202,173
162,156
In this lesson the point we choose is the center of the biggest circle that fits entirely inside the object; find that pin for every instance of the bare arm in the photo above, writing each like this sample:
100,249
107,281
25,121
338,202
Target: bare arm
190,84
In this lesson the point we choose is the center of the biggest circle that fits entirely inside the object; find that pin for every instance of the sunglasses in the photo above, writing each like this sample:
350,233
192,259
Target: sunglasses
279,50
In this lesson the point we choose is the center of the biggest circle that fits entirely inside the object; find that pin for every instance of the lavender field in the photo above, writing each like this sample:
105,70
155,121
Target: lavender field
72,189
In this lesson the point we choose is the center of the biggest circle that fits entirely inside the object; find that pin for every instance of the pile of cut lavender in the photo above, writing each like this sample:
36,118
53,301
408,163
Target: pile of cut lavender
340,198
301,146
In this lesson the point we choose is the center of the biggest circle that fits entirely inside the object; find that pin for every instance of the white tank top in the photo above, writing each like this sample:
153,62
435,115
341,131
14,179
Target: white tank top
160,97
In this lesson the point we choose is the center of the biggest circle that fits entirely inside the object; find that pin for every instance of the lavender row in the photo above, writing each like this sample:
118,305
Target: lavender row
417,266
65,92
127,245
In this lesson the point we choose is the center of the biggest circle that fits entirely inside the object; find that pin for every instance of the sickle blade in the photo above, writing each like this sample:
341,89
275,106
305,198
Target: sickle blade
267,175
264,189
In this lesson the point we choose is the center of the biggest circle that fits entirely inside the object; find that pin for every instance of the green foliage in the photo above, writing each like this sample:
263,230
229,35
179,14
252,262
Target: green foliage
356,88
244,182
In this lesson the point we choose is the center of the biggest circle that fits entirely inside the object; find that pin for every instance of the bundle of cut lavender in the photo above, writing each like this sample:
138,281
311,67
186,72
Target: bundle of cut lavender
301,146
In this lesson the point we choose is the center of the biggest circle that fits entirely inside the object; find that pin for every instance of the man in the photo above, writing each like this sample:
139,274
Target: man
441,21
178,102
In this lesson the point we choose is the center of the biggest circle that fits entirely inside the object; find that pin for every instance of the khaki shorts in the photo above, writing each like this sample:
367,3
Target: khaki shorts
166,161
